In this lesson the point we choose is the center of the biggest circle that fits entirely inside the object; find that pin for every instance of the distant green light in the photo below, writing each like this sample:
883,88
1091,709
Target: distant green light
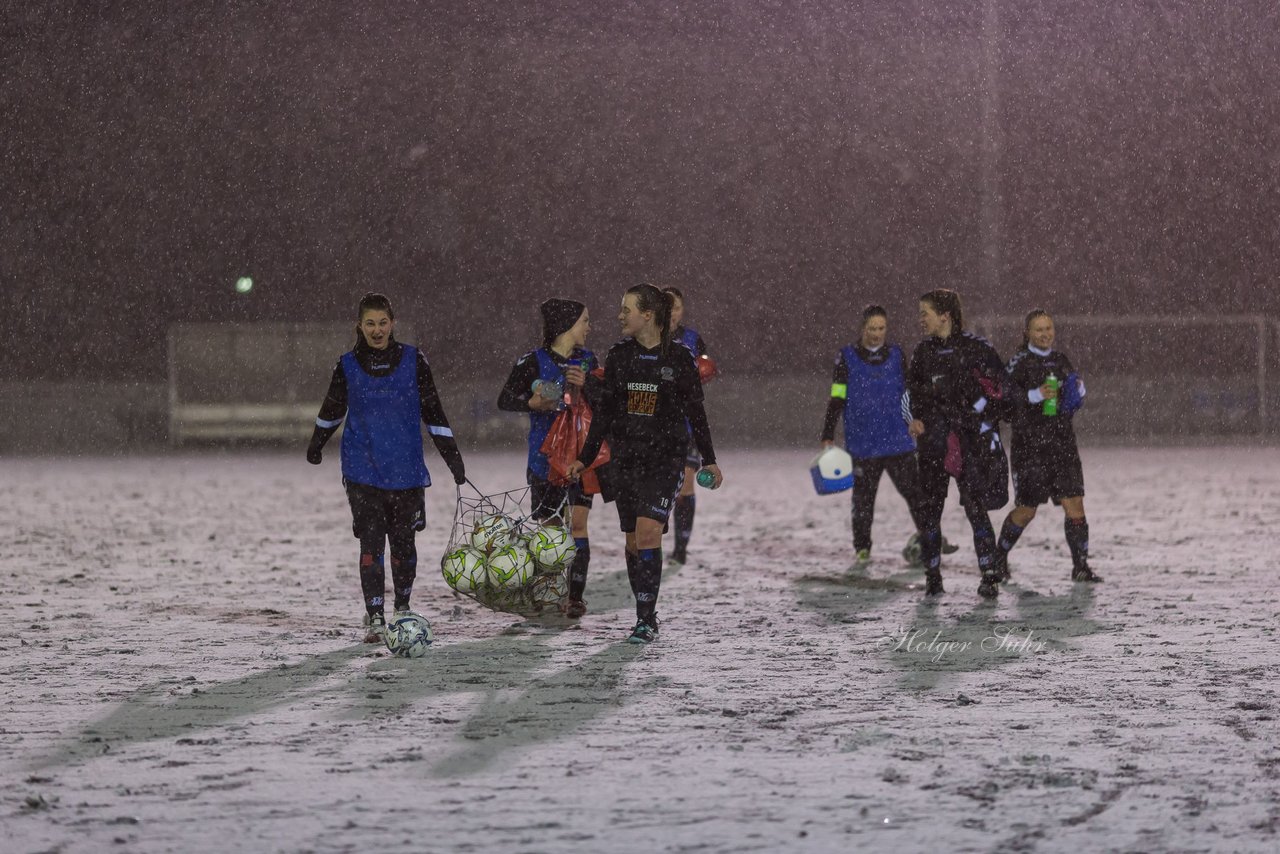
244,284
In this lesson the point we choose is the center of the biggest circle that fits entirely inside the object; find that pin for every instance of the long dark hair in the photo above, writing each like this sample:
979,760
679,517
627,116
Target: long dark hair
371,302
649,298
1026,324
673,291
945,301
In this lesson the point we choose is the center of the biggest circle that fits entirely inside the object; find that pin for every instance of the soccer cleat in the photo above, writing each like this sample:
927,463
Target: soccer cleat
678,557
1000,565
862,559
948,547
574,608
375,628
933,584
911,551
989,587
1084,573
644,632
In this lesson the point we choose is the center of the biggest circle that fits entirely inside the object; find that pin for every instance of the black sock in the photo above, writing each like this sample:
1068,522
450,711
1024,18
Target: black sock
1009,534
931,550
984,536
1077,531
632,560
648,580
404,571
373,581
578,569
686,505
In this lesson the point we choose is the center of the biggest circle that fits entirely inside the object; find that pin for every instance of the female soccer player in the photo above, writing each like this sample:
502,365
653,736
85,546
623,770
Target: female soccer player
686,501
382,388
956,394
536,386
1045,459
651,390
867,389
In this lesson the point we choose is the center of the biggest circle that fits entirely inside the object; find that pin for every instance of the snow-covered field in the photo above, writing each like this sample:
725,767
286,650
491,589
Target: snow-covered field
181,673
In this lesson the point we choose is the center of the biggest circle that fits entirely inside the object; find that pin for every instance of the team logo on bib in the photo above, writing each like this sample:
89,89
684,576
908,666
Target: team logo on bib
668,375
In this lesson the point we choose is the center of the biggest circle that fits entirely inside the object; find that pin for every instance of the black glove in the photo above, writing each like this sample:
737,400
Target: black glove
313,455
459,474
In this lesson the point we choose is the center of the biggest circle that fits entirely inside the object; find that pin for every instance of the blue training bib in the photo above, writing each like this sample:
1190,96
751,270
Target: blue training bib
382,439
873,425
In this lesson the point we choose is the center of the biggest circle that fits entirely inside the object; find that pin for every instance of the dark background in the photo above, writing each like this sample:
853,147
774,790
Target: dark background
784,162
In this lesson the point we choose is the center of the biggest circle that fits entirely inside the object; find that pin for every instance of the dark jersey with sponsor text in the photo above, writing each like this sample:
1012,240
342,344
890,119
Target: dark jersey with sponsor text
646,397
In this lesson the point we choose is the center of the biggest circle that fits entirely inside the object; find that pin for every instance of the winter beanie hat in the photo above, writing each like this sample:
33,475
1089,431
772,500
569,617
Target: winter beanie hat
558,317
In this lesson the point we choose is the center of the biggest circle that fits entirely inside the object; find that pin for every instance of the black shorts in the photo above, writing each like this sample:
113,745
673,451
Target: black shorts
385,512
1046,473
647,489
545,497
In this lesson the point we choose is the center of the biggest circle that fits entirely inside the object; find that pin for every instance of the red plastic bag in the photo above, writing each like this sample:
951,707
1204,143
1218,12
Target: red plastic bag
707,368
564,442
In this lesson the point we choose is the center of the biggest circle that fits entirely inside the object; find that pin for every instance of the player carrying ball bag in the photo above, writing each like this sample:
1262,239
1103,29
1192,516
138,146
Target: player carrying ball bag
651,387
538,382
383,389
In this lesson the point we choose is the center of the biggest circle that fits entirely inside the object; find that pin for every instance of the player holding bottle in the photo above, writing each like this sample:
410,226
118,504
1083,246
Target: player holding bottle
383,388
1047,392
651,390
536,385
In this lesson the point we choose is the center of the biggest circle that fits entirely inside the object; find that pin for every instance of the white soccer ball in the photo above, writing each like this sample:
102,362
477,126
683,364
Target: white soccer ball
552,547
464,569
493,532
408,635
548,590
510,566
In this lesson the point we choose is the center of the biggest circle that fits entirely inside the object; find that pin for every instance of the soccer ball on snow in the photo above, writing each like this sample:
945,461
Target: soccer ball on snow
464,569
552,547
408,635
493,532
510,566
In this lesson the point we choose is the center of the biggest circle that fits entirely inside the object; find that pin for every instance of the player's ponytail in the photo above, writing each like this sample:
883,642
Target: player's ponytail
649,298
372,302
1026,325
945,301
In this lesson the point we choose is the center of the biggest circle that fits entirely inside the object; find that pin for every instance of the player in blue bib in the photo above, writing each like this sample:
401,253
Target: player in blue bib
538,383
866,390
384,389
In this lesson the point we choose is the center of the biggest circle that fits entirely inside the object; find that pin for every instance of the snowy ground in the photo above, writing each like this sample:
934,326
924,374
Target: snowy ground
181,673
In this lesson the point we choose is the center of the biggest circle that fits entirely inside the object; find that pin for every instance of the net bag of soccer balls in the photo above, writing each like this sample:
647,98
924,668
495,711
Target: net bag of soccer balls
505,560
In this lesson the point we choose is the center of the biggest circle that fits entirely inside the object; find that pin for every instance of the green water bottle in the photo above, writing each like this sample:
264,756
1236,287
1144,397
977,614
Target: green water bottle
1050,406
706,479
